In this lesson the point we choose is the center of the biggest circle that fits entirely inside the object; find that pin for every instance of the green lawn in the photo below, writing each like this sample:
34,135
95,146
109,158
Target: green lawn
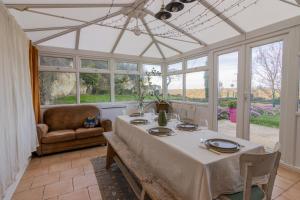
97,98
266,120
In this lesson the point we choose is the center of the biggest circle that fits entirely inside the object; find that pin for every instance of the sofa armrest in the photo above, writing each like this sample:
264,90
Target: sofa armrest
42,130
106,124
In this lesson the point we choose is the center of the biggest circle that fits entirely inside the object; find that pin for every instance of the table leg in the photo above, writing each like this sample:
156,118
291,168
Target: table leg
109,156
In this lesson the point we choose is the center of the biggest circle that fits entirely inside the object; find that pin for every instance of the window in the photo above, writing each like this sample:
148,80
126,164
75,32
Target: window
57,88
175,67
126,87
174,85
154,86
152,80
94,64
150,68
127,66
94,87
58,62
197,86
198,62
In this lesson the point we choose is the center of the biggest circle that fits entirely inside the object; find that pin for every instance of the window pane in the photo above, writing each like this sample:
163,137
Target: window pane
126,87
197,86
174,85
198,62
94,64
150,68
154,85
127,66
50,61
175,67
94,88
57,88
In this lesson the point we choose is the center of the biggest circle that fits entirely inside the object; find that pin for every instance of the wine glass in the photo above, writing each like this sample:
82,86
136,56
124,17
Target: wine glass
202,124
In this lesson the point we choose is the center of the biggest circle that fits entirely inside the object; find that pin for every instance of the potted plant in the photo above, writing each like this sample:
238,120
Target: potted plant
161,104
232,110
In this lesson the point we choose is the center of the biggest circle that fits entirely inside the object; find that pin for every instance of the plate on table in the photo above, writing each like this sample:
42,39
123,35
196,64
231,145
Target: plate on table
161,131
187,127
222,145
139,121
136,115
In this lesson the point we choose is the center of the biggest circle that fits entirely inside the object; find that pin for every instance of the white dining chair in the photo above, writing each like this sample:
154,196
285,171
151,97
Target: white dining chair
254,166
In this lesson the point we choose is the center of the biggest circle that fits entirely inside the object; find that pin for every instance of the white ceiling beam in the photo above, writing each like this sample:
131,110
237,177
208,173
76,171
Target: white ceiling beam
153,39
215,11
146,49
77,39
168,46
120,35
100,5
48,28
291,3
79,27
177,28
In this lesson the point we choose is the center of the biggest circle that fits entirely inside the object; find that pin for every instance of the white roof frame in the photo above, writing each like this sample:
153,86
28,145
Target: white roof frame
137,9
101,5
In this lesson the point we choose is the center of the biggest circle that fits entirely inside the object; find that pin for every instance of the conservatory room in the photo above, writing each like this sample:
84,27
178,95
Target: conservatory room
150,100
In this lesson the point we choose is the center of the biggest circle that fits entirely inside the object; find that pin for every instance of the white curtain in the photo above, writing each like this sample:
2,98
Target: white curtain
17,124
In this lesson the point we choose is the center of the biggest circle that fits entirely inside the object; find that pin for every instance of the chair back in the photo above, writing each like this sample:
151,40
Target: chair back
259,165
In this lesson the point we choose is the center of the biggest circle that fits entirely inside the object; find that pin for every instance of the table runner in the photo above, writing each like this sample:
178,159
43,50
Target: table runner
183,162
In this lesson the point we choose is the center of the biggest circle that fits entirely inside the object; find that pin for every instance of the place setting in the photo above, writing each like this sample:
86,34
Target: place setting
219,146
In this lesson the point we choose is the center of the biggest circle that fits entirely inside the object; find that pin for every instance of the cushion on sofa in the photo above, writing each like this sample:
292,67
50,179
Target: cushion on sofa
59,136
81,133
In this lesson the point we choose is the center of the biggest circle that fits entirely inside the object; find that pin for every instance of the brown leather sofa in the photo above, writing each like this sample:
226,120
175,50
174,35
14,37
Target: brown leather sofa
63,129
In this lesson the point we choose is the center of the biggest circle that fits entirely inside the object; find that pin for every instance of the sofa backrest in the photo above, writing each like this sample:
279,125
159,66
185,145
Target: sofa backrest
69,117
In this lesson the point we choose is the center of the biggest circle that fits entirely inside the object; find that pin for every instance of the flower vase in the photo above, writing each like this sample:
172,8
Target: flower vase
162,118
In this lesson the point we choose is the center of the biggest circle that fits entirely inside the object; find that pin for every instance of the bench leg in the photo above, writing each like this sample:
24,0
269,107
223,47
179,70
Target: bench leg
109,156
143,194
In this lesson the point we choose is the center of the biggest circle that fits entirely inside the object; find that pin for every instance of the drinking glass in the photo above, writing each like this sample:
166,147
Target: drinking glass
202,124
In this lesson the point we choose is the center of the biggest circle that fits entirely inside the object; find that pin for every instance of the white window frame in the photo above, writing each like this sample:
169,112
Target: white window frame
184,71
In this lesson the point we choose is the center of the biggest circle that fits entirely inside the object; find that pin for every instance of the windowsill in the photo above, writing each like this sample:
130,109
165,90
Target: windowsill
120,103
190,103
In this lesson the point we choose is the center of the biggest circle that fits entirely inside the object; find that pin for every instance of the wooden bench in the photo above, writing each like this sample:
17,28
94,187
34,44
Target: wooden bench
136,172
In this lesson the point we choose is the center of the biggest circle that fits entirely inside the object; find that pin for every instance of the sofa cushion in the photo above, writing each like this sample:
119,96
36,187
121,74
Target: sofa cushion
59,136
69,117
88,132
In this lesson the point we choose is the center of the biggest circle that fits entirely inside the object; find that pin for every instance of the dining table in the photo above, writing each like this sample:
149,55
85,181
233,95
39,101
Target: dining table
183,161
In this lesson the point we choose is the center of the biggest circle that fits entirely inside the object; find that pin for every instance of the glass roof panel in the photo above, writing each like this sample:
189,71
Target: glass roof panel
33,20
37,35
84,14
64,41
152,52
267,12
167,51
65,1
137,44
98,38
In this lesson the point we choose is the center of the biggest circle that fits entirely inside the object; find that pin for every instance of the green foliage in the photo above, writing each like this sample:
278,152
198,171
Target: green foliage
272,121
232,104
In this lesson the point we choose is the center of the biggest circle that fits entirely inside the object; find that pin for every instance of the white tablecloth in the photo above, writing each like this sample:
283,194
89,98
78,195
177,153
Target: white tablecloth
183,162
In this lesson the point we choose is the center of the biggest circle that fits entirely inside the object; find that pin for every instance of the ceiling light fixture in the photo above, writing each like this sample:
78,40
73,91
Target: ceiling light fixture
136,30
163,14
174,6
187,1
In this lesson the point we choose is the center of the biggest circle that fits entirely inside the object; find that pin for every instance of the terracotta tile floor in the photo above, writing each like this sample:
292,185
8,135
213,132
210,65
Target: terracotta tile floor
70,176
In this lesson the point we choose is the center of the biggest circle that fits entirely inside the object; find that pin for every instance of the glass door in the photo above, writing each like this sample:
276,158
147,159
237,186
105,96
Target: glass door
227,83
264,102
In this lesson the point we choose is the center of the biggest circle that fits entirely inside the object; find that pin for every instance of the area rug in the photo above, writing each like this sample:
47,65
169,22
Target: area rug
111,182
